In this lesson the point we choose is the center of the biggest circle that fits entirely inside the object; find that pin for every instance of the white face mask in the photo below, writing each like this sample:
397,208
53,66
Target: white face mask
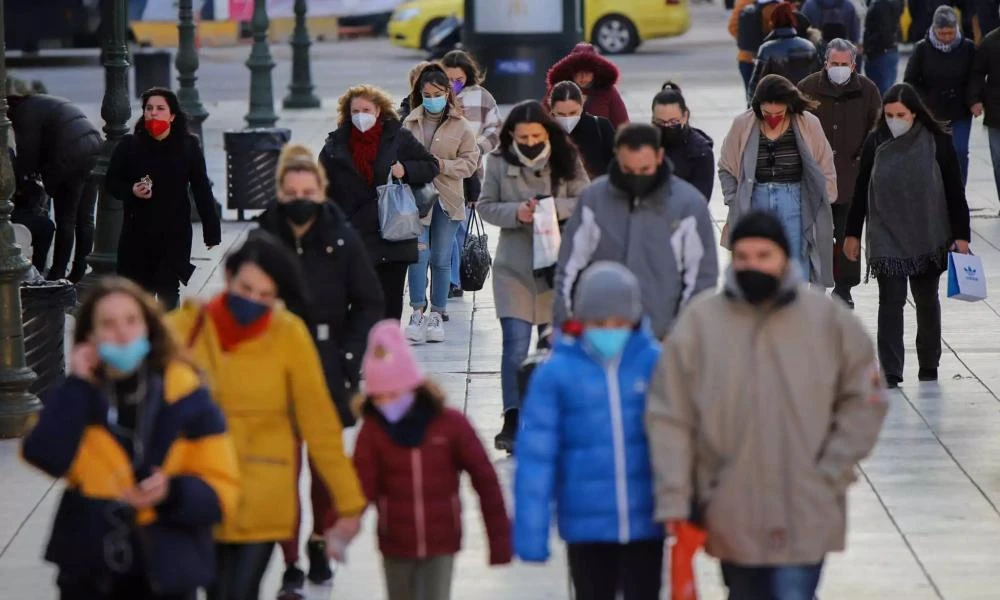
898,127
568,123
839,75
363,121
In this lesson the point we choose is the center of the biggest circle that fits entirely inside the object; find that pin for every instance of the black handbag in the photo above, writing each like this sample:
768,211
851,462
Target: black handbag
426,196
476,260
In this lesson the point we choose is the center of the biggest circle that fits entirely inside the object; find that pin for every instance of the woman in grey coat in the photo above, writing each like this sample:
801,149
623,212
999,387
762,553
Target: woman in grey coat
535,159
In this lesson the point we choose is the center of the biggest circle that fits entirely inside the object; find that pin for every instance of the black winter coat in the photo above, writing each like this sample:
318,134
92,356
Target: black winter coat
359,200
53,138
345,297
155,244
693,161
786,54
942,78
984,83
595,138
882,27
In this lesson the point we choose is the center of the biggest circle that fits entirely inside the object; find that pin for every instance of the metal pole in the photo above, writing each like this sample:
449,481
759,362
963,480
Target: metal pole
260,64
116,111
187,65
301,89
17,405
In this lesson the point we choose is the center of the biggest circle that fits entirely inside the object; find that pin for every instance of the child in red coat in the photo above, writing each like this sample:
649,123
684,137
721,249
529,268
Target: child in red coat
410,453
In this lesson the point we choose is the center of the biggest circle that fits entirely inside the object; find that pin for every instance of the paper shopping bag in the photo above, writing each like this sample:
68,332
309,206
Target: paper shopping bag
547,237
689,539
966,279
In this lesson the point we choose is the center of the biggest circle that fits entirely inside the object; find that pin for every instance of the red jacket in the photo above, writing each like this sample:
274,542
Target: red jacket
411,472
603,98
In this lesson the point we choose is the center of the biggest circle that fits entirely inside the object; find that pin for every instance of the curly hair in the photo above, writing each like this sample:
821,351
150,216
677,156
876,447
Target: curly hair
377,95
564,157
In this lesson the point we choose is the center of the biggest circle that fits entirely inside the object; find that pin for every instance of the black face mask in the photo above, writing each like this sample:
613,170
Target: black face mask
531,152
757,287
299,211
673,136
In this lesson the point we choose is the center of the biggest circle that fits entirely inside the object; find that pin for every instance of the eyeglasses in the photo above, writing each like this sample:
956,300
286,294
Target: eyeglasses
670,123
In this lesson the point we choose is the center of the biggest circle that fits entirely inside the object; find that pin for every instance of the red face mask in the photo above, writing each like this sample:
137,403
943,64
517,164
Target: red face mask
156,127
774,121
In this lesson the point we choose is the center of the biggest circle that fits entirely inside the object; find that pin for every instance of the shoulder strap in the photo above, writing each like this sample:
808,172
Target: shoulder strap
600,136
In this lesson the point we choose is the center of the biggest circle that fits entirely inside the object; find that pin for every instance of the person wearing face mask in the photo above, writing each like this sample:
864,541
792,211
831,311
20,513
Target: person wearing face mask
596,76
267,377
849,108
689,149
784,52
594,136
410,455
369,145
345,301
582,445
776,157
145,454
535,159
151,172
724,426
438,123
911,195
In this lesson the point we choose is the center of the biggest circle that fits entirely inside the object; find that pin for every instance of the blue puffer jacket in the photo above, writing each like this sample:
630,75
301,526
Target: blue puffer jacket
583,443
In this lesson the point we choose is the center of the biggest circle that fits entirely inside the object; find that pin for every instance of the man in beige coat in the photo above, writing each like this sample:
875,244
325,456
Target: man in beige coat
766,396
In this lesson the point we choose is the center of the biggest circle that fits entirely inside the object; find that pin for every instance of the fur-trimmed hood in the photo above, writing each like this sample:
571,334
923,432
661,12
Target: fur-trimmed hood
584,57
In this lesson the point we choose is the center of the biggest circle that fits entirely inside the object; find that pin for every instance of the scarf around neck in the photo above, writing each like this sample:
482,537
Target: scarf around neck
908,226
932,38
230,332
364,149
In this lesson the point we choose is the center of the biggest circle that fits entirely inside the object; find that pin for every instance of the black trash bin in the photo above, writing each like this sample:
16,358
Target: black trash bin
152,69
43,311
251,163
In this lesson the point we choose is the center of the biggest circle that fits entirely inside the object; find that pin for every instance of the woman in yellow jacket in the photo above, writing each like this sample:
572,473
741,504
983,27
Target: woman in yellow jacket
265,374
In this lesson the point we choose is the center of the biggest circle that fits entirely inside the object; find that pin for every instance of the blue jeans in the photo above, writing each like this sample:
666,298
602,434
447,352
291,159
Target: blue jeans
435,248
456,250
516,344
785,201
961,129
746,72
791,582
882,70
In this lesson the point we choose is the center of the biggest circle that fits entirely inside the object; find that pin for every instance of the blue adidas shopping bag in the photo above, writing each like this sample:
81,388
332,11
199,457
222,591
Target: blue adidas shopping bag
966,279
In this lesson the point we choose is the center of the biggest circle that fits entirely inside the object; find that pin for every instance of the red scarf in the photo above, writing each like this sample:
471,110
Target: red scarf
364,149
231,333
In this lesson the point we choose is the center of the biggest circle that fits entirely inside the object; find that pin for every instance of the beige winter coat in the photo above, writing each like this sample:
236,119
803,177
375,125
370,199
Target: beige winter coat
455,144
758,417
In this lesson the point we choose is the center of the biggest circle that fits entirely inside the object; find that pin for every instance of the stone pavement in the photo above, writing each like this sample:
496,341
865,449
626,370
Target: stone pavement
924,521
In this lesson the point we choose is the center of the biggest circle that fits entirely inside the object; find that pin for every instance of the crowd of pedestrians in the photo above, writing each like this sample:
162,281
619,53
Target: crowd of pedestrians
664,400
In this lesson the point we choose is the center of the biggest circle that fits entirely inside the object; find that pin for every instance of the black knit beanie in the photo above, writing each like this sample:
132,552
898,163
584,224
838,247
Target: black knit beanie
760,224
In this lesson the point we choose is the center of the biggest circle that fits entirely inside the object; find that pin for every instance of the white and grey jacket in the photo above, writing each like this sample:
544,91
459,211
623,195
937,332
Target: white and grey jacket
665,238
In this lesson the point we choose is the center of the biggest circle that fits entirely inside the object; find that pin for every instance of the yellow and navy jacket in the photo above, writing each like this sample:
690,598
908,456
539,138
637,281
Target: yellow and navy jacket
186,438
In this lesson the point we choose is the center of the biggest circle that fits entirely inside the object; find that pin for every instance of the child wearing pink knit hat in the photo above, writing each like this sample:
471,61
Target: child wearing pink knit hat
410,454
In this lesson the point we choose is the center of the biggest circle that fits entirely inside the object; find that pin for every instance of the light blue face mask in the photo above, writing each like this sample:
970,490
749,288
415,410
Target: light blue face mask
435,105
607,343
124,358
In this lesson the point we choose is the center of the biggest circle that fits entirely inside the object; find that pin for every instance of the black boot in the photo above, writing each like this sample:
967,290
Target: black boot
77,272
320,572
293,584
505,439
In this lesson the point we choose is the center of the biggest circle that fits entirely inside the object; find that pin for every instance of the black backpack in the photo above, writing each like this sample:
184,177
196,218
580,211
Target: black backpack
833,23
750,28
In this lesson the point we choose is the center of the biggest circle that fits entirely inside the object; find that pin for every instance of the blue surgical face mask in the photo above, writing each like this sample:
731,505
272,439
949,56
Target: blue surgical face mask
607,343
124,358
435,105
395,410
244,310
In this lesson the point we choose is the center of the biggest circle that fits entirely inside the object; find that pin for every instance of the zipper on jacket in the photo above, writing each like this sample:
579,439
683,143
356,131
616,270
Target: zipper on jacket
298,246
633,204
618,440
418,503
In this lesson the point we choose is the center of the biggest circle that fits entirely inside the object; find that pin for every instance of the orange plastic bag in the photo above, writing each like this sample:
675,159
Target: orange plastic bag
689,539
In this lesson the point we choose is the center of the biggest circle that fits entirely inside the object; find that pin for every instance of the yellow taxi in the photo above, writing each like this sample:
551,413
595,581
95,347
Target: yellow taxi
614,26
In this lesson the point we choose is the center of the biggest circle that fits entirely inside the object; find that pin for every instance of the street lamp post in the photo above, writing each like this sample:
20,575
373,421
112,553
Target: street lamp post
301,89
187,67
115,111
260,64
17,404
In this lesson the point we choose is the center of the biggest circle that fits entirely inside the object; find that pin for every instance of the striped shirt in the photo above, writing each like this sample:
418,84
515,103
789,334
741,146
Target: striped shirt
778,161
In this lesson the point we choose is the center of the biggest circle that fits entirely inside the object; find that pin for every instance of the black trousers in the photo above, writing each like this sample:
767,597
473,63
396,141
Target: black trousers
392,276
119,588
846,273
74,202
891,299
239,569
601,570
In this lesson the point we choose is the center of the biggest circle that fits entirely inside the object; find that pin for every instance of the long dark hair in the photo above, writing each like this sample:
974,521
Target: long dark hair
277,261
459,59
905,94
433,74
564,156
565,90
779,90
669,94
179,125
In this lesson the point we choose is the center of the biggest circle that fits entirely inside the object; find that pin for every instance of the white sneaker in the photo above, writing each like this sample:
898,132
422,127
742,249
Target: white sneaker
416,331
434,329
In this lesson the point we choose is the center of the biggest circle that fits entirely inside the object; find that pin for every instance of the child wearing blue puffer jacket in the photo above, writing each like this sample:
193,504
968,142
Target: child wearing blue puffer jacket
583,445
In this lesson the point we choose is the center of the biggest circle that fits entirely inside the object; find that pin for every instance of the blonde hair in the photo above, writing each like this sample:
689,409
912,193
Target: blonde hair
378,96
417,70
296,158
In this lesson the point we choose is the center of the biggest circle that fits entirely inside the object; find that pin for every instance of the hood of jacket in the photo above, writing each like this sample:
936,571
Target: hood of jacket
584,57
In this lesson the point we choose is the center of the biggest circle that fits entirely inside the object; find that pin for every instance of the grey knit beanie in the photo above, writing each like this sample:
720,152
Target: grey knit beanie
607,289
945,17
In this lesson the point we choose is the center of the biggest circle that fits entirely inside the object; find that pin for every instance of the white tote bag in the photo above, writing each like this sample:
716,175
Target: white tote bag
966,278
547,236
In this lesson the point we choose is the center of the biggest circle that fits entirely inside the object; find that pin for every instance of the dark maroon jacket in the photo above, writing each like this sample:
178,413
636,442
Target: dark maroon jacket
410,471
603,98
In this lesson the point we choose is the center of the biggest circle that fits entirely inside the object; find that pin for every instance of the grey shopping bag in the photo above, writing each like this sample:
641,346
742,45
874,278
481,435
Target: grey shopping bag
398,215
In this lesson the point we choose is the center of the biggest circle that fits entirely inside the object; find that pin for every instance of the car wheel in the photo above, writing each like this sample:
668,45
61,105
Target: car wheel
615,35
426,33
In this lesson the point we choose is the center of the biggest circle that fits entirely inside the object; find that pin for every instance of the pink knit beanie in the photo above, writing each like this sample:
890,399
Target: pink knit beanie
388,366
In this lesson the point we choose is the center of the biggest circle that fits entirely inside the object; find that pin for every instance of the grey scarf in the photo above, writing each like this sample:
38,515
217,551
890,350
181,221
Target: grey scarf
908,226
943,47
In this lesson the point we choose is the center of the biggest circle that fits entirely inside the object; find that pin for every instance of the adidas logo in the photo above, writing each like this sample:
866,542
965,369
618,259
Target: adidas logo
969,270
971,273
